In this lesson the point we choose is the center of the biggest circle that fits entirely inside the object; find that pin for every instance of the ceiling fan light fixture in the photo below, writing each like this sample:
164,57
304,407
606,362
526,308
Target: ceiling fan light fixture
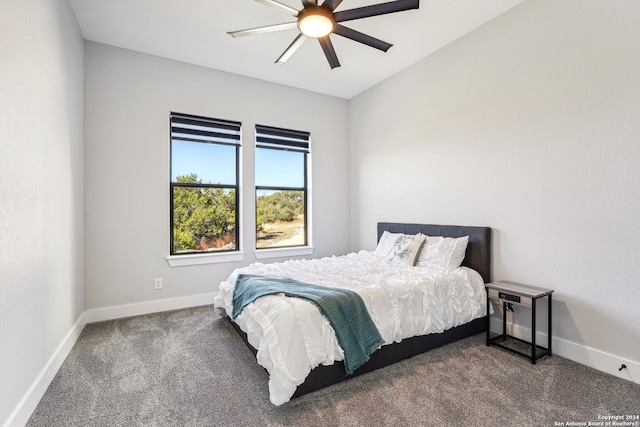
315,23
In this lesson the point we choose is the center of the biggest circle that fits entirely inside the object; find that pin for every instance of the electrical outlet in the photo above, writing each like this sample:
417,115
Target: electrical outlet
158,283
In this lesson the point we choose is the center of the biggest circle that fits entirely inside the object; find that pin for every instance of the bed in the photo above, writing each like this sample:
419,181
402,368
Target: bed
300,367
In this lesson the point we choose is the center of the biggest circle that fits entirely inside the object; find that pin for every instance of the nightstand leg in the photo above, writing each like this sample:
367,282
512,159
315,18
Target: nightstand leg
504,320
549,327
533,331
488,320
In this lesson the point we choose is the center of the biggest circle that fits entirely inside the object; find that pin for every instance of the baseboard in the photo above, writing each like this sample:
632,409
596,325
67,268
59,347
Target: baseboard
137,309
30,401
588,356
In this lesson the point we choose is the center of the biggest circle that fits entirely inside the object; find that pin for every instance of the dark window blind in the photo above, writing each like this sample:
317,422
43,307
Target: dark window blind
185,127
282,139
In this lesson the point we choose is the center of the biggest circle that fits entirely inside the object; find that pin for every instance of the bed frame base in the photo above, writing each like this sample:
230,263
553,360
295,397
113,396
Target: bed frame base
324,376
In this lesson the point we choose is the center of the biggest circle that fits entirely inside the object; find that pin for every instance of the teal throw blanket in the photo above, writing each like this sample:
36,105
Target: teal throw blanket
344,309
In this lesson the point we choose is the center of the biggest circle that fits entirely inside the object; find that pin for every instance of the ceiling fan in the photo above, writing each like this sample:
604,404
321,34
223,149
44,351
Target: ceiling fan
318,21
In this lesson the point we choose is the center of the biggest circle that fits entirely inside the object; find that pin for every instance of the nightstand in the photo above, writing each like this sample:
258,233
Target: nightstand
510,294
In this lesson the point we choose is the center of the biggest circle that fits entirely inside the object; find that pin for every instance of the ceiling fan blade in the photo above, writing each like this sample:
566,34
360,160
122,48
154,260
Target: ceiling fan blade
343,31
376,9
292,48
261,30
310,3
280,6
331,4
329,51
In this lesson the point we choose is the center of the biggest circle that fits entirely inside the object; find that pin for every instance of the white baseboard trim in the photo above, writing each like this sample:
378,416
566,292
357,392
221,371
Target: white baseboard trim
30,401
579,353
137,309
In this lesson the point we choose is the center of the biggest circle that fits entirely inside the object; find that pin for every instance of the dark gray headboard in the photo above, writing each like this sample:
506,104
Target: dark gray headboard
478,256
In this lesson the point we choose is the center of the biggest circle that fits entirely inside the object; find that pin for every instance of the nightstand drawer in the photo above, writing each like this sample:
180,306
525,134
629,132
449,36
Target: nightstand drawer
510,297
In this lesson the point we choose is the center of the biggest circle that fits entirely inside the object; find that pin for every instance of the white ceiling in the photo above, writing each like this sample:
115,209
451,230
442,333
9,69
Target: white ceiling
194,31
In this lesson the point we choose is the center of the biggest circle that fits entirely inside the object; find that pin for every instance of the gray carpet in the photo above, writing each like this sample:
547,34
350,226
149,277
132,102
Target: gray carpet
189,368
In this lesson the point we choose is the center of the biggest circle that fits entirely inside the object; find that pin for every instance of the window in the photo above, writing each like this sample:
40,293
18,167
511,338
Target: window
281,187
204,184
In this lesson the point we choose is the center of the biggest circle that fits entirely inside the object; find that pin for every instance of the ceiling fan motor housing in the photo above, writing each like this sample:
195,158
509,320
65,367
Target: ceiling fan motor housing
316,21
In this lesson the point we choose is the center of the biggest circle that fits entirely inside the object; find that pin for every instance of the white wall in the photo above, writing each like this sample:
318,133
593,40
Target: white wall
128,99
528,125
41,192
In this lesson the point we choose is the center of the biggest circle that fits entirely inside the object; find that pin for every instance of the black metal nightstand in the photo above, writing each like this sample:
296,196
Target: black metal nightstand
510,293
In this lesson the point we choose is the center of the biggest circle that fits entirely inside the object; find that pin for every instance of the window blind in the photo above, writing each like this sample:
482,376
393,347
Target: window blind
186,127
282,139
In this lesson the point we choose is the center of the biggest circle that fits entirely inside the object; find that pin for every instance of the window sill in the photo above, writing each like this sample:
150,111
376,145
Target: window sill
197,259
284,252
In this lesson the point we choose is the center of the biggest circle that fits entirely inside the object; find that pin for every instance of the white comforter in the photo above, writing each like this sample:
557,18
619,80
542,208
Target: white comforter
292,337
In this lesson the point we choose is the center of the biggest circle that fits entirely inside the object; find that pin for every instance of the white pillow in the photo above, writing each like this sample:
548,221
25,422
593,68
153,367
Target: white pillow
405,249
443,253
386,243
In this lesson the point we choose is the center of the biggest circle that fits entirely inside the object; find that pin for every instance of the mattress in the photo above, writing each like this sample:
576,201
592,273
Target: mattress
292,337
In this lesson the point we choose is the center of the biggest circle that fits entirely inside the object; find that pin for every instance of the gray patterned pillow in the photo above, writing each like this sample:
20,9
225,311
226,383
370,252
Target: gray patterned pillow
405,249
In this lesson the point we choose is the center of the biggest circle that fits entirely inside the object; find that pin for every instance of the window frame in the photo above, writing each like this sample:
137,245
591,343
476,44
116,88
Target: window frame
274,138
205,137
